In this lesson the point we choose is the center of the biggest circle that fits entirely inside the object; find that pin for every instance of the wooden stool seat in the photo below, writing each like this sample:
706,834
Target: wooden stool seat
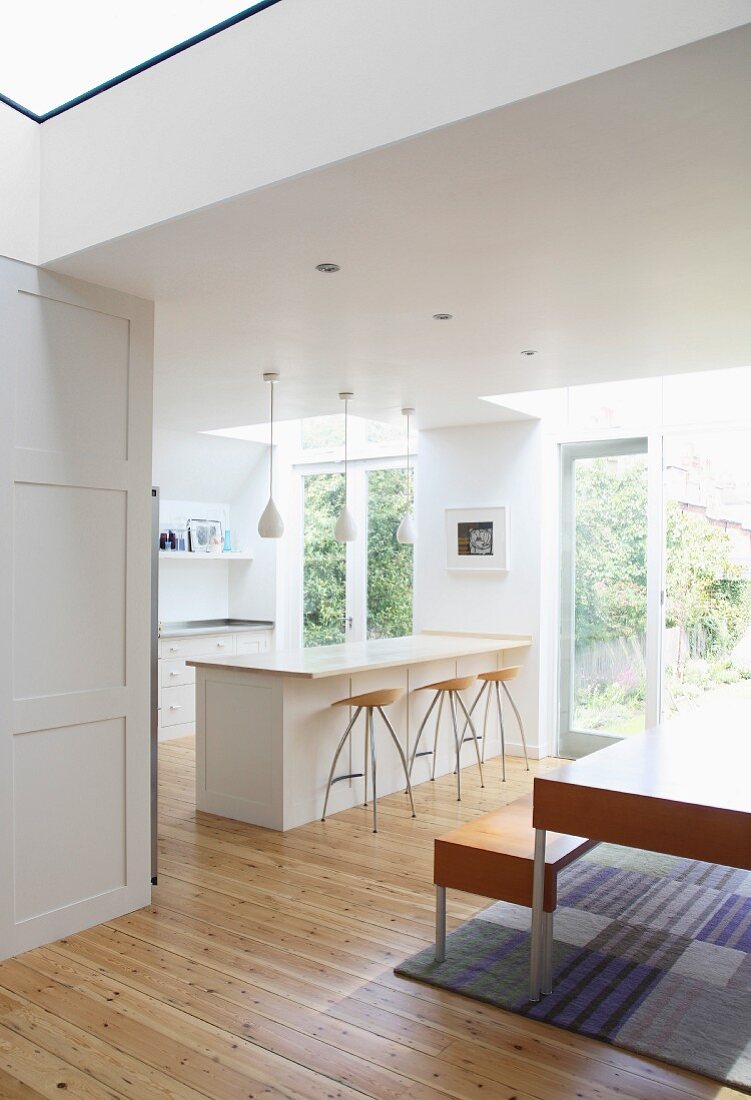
458,683
451,690
500,675
494,856
369,703
382,698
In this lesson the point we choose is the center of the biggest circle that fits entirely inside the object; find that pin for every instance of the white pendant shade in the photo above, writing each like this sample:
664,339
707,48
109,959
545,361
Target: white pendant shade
345,529
406,532
271,525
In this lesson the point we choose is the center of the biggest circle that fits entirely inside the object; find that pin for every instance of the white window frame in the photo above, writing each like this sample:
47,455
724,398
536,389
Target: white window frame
356,598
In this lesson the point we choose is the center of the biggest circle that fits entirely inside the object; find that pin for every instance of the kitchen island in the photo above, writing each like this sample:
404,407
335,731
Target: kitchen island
266,732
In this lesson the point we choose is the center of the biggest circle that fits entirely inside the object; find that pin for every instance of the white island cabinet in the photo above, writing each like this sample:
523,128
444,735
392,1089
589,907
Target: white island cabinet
266,732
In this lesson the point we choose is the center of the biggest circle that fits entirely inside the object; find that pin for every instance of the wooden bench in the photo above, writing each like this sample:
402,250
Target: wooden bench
493,856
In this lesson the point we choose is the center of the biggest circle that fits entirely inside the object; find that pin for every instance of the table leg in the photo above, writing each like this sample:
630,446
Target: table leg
440,924
547,965
537,939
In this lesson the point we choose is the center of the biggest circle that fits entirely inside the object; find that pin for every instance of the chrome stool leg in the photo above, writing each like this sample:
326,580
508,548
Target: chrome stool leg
485,720
420,732
471,725
452,703
365,762
369,720
435,738
402,757
519,720
503,732
339,748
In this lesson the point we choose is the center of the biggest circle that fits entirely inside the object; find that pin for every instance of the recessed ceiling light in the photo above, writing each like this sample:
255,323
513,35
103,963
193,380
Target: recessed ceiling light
442,316
327,269
529,351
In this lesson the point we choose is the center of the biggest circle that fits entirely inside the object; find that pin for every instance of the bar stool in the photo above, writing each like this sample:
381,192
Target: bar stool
451,688
368,702
493,682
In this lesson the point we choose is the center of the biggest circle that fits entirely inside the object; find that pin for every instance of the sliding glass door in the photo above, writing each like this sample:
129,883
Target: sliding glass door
609,636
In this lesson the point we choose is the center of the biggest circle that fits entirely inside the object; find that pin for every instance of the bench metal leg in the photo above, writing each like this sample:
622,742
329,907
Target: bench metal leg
547,962
538,917
440,924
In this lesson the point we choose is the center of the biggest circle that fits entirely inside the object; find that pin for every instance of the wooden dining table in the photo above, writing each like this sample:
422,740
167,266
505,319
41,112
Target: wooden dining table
682,788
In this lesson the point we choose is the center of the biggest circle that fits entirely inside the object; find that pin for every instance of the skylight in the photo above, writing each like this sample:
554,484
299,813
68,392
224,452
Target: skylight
53,52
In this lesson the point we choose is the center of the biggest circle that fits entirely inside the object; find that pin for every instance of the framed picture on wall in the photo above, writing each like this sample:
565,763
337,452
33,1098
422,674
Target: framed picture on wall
477,539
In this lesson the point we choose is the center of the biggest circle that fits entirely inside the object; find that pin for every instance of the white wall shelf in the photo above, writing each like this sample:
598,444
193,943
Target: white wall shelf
188,555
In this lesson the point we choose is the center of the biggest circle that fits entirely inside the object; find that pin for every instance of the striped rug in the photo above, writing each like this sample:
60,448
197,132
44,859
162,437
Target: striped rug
652,954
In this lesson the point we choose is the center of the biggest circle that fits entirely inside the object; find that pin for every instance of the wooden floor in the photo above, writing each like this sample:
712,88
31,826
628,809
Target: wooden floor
265,968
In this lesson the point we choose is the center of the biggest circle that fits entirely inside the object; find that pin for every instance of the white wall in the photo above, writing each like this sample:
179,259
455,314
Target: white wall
192,469
20,140
485,466
304,84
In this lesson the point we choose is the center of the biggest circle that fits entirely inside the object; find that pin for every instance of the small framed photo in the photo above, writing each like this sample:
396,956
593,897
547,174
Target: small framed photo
477,539
205,536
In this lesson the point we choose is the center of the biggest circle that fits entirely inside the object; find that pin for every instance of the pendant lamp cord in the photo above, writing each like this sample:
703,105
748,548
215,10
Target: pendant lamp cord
409,471
346,447
271,445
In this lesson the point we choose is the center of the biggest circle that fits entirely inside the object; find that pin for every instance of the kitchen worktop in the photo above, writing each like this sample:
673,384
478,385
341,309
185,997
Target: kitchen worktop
351,657
211,626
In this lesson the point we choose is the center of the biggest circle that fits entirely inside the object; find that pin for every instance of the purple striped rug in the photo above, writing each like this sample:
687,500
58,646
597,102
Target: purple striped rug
652,954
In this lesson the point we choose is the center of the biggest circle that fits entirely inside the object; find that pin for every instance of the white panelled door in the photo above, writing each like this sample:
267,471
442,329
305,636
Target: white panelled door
75,498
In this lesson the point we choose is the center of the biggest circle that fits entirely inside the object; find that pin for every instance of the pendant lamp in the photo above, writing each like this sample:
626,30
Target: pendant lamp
345,529
271,525
406,532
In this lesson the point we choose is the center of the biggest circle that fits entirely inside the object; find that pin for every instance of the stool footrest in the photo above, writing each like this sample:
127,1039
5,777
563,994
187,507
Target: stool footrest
426,752
352,775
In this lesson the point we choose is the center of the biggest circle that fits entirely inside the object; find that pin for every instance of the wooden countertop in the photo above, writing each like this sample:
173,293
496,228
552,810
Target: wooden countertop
352,657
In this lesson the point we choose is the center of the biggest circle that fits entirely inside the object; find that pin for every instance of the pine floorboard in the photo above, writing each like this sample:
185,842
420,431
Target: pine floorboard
264,968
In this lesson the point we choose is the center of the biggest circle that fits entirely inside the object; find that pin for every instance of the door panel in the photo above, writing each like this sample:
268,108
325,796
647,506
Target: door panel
75,459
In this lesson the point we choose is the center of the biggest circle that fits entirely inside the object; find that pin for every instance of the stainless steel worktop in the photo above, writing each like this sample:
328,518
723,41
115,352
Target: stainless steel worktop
212,626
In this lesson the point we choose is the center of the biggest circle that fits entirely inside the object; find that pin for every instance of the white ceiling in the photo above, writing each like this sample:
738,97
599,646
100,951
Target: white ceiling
605,224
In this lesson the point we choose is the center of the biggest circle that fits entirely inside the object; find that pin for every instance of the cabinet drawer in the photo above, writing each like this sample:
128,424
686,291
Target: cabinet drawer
210,645
175,673
256,641
178,705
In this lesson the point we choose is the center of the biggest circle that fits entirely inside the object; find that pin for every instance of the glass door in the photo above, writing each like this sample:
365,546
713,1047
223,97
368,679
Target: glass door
707,627
608,669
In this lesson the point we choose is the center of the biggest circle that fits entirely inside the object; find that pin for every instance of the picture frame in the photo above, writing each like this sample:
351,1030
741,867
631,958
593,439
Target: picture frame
205,536
477,540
